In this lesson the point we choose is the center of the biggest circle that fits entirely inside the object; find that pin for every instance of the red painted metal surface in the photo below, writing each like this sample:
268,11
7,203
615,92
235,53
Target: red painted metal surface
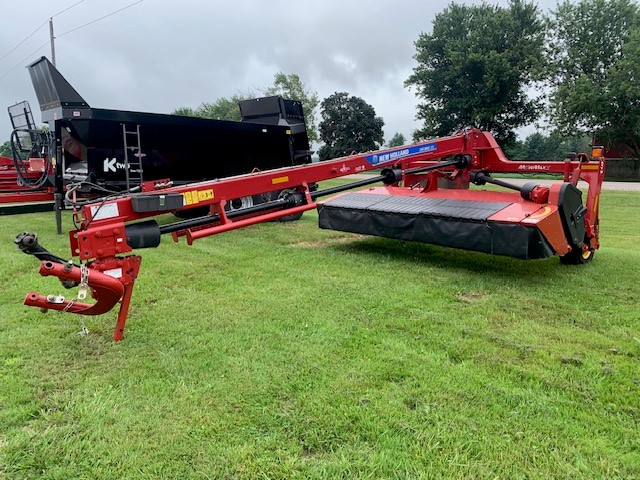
102,241
11,191
27,196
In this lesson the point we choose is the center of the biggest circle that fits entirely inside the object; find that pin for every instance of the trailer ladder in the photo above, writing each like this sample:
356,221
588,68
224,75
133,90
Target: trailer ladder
132,169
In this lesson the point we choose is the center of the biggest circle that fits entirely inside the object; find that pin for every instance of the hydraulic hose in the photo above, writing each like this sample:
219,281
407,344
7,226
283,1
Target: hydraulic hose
19,163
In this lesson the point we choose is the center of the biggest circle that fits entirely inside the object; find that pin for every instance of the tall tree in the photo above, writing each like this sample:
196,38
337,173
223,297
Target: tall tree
397,140
288,85
291,86
187,111
595,74
348,124
222,109
475,67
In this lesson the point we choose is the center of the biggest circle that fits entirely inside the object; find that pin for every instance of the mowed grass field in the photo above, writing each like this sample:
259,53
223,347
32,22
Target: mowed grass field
286,351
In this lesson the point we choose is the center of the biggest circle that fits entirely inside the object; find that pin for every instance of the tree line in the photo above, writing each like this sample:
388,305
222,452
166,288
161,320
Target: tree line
480,62
499,68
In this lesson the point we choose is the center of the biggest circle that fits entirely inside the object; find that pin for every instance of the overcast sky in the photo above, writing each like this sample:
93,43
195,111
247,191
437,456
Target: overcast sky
162,54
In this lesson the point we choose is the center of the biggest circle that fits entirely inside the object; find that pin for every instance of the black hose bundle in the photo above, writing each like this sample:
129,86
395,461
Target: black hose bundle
42,146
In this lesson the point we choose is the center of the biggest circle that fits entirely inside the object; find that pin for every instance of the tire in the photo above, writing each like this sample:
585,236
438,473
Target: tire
235,204
289,218
577,257
240,203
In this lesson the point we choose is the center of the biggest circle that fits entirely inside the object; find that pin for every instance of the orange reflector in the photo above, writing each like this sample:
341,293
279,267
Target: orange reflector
277,180
597,152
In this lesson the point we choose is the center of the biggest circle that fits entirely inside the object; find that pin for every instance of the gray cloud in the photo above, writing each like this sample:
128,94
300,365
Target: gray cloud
163,54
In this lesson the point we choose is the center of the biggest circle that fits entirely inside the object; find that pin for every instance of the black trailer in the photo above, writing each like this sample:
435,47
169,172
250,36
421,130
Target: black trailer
118,149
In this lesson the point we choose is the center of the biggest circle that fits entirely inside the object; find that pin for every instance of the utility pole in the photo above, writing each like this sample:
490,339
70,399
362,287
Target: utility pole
58,206
52,38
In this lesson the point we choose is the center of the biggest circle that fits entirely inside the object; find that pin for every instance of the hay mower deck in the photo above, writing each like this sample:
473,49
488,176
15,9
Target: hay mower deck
425,198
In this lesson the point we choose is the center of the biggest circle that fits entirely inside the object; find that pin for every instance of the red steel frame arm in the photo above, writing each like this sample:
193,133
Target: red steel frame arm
102,231
102,239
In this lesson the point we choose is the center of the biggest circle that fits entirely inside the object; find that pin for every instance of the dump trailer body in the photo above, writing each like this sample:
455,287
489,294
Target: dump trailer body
184,149
91,141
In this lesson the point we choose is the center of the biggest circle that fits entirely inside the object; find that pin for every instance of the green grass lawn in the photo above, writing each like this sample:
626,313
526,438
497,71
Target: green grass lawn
286,351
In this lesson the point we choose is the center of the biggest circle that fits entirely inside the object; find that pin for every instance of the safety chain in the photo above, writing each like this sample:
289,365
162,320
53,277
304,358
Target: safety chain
68,306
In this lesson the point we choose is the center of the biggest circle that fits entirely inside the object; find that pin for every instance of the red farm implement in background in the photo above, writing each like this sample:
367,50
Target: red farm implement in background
12,191
25,184
425,197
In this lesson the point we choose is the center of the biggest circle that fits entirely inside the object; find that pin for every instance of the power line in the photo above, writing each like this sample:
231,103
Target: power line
68,31
36,30
68,8
98,19
24,60
28,37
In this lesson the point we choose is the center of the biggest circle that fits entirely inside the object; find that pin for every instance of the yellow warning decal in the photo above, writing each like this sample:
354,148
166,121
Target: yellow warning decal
589,167
196,196
277,180
288,132
205,195
188,198
595,204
